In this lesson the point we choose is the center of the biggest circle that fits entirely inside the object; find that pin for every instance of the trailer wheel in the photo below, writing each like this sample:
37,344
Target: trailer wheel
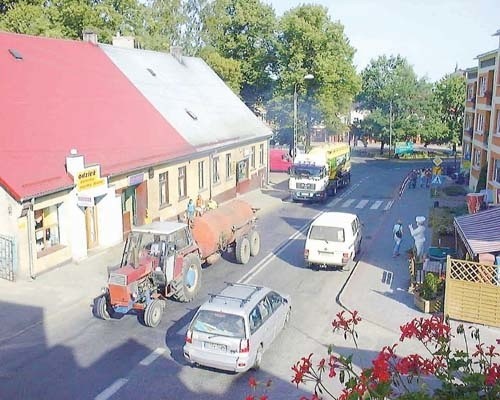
254,243
189,285
101,307
153,313
242,250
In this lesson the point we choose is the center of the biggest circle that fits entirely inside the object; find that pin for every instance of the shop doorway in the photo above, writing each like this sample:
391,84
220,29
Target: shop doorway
91,227
134,206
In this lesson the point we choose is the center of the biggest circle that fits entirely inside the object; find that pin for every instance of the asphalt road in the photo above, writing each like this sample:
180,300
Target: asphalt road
80,357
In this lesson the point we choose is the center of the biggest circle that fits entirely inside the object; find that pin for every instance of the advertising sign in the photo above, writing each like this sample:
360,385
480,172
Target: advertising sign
89,178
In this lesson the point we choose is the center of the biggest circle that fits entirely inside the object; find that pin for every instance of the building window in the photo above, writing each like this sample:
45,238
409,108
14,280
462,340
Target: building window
467,121
498,122
46,228
477,158
480,123
470,92
482,85
215,170
182,183
252,158
201,174
496,171
228,165
261,154
164,195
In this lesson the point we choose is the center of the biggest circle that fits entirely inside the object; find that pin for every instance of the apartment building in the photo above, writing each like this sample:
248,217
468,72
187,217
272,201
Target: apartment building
481,134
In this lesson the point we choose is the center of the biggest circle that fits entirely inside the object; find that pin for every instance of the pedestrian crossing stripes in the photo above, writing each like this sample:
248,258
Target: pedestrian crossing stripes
381,205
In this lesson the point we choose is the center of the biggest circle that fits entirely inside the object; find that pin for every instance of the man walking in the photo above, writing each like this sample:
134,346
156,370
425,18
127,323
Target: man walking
397,232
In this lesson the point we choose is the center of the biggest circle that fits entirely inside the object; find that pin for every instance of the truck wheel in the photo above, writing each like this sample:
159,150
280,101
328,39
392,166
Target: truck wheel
153,313
187,287
242,250
254,243
101,307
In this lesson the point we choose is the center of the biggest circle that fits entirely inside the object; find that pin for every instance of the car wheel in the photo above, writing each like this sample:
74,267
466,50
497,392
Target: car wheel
258,358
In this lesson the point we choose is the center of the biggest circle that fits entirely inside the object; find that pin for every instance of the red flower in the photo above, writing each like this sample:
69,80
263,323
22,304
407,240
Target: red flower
263,397
250,397
252,382
492,374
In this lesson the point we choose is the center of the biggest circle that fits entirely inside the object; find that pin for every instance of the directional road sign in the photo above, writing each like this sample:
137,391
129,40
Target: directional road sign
437,161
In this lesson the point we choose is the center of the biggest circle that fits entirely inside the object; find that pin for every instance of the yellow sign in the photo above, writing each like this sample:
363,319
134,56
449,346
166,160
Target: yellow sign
436,170
437,161
89,178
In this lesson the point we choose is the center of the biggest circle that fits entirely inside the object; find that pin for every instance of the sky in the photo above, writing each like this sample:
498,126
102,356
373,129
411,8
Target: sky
433,35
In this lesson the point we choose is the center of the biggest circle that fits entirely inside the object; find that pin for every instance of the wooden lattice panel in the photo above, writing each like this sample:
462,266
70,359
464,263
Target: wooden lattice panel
472,292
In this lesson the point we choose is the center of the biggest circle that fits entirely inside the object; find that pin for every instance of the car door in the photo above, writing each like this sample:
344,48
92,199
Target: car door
280,309
263,332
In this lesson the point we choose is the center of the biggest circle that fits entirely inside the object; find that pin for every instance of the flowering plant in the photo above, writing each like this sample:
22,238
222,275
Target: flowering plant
444,372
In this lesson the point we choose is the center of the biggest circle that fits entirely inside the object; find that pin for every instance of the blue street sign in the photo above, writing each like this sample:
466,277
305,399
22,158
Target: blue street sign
437,180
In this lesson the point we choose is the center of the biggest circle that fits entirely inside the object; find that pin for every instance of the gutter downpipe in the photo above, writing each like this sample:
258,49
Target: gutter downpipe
30,238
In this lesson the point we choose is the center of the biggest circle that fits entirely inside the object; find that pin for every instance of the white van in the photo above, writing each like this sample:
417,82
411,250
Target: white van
333,239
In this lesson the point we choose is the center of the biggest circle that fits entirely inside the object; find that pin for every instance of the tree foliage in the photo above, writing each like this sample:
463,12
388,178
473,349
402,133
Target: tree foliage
309,42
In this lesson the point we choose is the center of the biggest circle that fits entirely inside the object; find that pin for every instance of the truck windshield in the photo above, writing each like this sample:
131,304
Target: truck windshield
306,171
219,323
327,233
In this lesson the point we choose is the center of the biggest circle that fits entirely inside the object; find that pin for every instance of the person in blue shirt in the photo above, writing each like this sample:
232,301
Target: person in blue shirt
190,210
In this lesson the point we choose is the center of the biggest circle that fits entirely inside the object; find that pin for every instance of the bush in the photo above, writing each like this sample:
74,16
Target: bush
455,190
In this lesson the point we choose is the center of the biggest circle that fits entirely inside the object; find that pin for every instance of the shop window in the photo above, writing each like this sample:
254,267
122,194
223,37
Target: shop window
261,154
164,194
182,183
215,170
46,229
201,174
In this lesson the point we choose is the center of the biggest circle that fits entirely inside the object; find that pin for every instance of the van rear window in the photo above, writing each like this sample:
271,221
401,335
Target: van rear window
327,233
218,323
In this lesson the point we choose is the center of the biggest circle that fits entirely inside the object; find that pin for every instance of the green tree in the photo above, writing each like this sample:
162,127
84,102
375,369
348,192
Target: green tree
229,70
310,43
449,96
244,31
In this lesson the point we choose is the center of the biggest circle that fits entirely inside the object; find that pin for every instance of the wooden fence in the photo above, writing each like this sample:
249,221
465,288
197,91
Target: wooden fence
472,292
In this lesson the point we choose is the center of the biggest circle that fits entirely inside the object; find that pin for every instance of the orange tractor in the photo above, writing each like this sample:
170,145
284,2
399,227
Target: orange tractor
163,259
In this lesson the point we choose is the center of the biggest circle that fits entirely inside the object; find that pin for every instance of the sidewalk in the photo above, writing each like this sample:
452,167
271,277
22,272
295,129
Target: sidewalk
77,284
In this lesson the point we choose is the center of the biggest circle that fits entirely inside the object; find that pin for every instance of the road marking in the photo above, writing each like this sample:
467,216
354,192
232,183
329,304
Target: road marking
111,390
388,205
362,204
334,202
153,356
348,203
376,205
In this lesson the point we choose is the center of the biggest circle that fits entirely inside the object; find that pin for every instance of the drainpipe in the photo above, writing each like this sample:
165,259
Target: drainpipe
210,162
31,224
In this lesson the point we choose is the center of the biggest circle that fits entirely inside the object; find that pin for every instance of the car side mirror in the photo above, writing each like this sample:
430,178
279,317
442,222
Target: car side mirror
285,301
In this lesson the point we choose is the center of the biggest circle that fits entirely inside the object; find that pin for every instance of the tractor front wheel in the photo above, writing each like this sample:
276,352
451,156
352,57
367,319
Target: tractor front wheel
188,285
101,307
153,313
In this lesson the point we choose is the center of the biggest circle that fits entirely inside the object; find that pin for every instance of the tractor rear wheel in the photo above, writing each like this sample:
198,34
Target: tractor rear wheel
102,308
242,250
254,243
188,285
153,313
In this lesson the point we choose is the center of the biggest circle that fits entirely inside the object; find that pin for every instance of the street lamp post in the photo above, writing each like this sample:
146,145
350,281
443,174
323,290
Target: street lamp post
295,116
390,128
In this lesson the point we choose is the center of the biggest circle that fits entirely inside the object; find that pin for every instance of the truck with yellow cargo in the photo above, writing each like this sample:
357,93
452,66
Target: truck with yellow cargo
320,172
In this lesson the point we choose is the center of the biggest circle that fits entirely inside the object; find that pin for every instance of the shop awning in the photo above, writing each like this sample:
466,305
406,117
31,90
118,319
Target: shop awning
480,232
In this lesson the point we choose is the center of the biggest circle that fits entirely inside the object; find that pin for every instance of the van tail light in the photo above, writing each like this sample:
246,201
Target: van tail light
306,254
244,346
345,257
189,336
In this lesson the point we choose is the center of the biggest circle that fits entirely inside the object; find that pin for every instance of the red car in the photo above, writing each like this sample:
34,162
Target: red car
279,160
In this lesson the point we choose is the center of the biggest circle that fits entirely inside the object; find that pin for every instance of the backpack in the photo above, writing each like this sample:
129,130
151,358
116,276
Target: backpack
399,234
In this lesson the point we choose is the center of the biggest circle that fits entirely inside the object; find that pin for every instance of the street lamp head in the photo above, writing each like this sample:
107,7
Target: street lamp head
308,77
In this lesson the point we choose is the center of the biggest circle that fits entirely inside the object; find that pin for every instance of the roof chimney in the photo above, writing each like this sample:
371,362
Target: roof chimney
74,162
176,52
125,42
90,36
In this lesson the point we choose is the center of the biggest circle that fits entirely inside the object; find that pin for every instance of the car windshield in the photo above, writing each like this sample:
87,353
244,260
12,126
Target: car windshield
306,171
327,233
219,323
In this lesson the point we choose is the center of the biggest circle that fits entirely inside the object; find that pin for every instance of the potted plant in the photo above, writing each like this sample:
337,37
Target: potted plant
428,297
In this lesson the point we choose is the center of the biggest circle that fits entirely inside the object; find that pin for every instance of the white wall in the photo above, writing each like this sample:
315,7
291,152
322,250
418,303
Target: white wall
109,219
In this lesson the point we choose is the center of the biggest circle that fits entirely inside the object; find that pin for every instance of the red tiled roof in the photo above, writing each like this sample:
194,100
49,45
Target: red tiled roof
67,94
